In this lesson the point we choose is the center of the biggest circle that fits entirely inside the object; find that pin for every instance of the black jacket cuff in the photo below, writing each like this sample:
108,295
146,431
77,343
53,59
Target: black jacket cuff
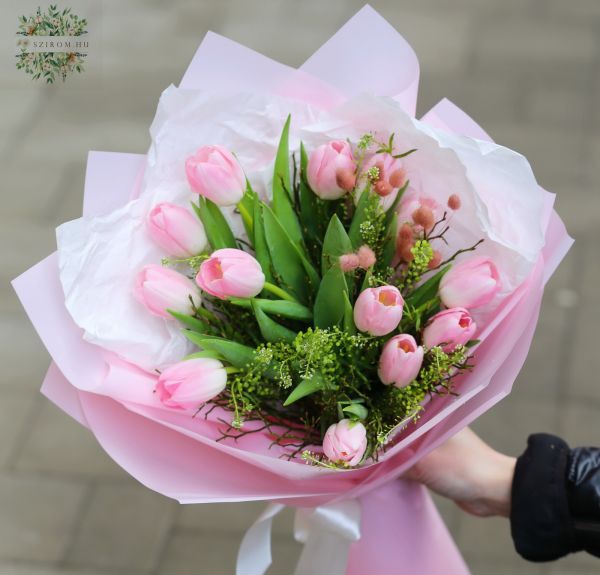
541,524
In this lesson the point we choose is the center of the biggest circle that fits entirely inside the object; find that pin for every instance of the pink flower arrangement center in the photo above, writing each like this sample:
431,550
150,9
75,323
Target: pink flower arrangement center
388,297
214,269
406,346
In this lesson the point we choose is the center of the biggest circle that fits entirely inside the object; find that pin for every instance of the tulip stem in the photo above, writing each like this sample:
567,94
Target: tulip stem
275,290
211,317
245,215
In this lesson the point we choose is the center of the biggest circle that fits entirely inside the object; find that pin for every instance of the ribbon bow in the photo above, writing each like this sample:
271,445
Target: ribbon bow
327,532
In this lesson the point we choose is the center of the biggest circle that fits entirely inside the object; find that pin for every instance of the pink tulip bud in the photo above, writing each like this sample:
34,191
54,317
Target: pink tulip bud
330,168
383,188
160,288
378,311
471,283
176,230
345,179
366,257
190,383
398,178
392,177
449,328
400,360
345,442
214,173
349,262
231,273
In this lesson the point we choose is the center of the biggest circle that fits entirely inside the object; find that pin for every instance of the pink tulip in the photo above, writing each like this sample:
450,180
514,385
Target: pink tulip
214,173
378,311
331,170
392,176
160,288
471,283
176,230
449,328
345,442
231,273
190,383
400,360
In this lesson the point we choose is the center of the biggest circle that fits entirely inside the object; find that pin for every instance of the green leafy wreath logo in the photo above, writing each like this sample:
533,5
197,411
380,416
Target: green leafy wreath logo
50,66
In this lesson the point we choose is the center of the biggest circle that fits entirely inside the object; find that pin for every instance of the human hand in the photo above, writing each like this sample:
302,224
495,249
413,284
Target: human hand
468,471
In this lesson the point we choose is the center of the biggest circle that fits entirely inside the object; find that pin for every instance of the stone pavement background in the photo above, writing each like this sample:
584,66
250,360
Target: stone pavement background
527,70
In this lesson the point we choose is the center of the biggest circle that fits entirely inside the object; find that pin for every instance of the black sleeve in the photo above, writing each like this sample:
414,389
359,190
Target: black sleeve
555,506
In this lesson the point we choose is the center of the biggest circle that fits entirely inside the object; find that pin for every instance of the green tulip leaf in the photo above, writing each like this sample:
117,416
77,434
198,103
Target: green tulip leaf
236,354
335,244
246,209
330,307
289,263
278,307
349,326
190,322
217,229
261,251
360,215
357,410
283,201
270,329
427,291
306,387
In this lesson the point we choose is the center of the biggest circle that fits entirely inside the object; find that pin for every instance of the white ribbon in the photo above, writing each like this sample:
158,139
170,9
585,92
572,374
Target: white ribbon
327,532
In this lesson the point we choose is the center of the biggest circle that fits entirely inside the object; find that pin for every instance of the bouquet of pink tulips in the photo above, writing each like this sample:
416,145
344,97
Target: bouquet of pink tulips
296,294
334,318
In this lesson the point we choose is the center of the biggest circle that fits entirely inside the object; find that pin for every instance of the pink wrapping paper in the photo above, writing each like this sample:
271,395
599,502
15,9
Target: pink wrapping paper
179,458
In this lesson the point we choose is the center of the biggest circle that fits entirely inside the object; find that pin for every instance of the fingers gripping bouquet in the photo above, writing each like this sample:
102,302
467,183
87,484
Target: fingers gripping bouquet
328,325
299,292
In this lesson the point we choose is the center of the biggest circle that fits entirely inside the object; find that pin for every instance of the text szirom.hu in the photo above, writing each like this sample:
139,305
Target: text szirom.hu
54,43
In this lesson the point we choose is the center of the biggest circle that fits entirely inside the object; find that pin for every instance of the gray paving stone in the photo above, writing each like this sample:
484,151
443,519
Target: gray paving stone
441,7
189,553
516,566
485,538
578,206
124,527
582,379
578,564
16,415
582,10
27,568
25,359
38,516
507,426
580,422
561,106
30,192
547,52
230,517
58,444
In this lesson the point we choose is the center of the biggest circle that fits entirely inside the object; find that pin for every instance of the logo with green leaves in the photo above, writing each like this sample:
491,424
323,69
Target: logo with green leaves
52,44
